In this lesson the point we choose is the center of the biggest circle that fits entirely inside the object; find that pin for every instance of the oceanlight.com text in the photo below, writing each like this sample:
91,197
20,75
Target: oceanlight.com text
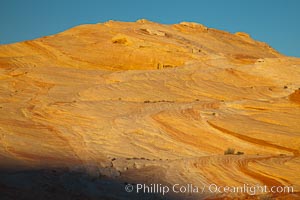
209,188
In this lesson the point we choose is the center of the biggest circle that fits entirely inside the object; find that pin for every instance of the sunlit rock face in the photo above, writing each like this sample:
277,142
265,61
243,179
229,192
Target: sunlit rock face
142,102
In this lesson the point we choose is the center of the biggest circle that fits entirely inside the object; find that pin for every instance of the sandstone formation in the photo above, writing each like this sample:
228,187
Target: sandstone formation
150,103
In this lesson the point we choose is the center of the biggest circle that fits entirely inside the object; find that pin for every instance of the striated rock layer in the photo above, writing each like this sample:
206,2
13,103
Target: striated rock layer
149,103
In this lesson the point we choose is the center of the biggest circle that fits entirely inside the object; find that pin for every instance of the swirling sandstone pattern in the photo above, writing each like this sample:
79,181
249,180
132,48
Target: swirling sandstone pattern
149,100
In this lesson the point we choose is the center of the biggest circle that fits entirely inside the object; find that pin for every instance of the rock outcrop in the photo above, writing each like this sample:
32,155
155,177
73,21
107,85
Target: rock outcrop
150,103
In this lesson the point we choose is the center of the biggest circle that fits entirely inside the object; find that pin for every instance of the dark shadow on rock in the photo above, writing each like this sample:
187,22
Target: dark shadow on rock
66,184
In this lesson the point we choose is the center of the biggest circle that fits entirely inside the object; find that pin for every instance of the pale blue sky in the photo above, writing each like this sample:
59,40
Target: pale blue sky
273,21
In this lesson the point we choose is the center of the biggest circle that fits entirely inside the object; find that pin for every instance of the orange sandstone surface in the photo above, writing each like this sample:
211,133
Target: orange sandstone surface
143,102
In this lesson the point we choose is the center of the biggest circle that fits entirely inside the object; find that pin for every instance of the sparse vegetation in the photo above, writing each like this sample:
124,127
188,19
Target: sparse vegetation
231,151
120,40
285,87
159,101
168,66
